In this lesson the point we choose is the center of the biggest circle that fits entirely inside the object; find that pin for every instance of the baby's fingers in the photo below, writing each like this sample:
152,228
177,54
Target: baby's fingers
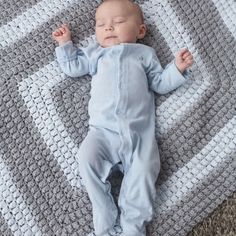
64,28
189,60
182,51
186,54
56,34
61,30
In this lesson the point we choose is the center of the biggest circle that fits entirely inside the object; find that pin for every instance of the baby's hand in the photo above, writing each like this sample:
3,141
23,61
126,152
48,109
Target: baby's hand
183,59
62,34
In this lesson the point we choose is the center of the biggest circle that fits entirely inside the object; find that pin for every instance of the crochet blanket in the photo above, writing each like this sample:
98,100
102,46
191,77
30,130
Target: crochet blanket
43,116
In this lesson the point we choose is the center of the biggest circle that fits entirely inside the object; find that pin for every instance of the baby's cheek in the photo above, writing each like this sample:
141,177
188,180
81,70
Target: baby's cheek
99,36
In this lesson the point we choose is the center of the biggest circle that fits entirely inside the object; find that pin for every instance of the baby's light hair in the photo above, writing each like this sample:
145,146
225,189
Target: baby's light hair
137,7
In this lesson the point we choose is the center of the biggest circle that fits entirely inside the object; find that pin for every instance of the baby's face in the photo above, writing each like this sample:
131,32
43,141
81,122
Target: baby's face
118,22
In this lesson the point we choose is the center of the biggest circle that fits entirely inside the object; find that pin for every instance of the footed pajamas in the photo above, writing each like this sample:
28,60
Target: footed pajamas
121,128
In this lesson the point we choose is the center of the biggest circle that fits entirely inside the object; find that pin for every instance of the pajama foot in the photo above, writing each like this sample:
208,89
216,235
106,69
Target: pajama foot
115,231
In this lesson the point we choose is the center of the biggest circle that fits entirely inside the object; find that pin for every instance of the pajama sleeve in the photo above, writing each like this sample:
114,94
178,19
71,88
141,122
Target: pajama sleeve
165,80
75,62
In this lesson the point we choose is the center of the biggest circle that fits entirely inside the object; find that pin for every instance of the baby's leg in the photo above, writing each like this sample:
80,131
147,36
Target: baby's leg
96,158
138,190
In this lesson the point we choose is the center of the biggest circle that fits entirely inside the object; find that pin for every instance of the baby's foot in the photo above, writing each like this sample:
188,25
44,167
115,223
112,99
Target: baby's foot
115,231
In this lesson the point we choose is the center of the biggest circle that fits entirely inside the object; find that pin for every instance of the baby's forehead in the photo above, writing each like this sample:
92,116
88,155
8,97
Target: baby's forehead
129,8
118,4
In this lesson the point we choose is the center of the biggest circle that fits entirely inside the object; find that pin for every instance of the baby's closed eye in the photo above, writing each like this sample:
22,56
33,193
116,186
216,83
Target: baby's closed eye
119,20
100,24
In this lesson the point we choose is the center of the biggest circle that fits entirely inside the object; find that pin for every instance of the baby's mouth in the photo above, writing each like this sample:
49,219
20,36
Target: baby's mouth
111,37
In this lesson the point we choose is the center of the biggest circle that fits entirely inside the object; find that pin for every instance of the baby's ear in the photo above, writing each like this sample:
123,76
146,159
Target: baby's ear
142,31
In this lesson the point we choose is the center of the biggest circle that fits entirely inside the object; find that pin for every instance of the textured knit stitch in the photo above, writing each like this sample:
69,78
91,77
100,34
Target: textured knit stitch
44,116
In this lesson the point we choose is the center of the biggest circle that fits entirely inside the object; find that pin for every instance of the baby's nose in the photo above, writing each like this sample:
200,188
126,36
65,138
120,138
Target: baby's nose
109,28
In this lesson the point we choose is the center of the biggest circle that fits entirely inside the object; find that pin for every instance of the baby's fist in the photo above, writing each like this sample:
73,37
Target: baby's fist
62,34
183,59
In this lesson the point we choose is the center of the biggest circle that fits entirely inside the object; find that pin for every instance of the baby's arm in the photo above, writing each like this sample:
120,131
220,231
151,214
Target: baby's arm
72,60
165,80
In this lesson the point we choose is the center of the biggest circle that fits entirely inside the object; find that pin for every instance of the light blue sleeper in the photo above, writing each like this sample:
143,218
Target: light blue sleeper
121,128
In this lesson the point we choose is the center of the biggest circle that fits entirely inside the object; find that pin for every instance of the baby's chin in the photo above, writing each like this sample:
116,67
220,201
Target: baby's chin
111,42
